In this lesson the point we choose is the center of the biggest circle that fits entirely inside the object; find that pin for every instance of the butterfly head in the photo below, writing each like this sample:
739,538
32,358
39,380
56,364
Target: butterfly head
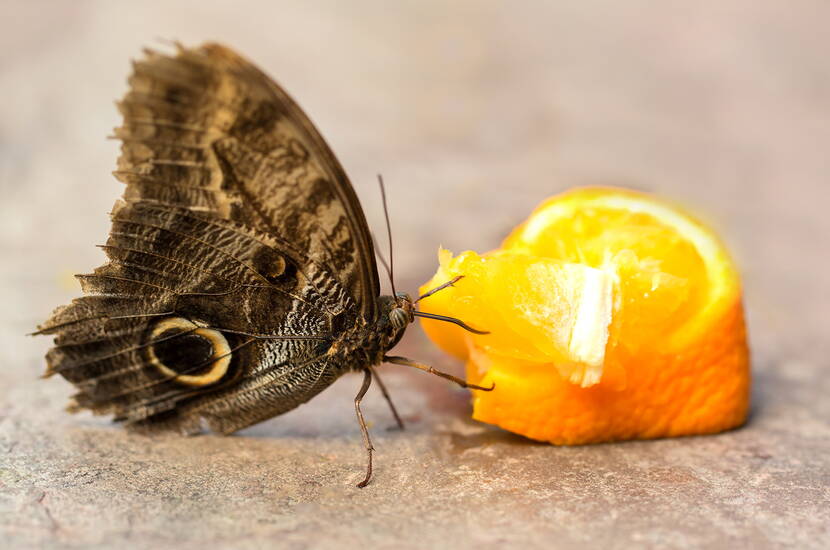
396,313
400,314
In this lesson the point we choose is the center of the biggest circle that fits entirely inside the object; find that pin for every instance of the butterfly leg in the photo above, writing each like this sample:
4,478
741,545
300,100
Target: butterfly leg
388,399
397,360
367,381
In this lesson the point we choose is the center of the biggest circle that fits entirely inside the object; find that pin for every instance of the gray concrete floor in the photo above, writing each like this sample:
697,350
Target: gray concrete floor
474,112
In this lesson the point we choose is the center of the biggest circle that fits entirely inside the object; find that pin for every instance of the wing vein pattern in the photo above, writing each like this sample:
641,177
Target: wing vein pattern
238,255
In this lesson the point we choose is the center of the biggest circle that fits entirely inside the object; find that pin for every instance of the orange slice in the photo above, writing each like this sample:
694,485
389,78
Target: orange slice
612,315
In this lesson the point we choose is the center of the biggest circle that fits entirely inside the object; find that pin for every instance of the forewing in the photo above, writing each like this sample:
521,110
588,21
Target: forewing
207,130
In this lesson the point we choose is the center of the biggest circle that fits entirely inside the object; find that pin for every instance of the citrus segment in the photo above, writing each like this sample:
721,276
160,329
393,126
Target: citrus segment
612,315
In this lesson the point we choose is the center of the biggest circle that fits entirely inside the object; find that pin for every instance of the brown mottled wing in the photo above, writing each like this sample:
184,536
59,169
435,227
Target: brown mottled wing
208,131
237,256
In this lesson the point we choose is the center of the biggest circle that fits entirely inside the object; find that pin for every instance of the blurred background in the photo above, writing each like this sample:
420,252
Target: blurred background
474,112
466,108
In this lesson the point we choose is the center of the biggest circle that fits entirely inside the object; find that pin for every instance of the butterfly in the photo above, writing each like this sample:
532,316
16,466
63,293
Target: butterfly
241,278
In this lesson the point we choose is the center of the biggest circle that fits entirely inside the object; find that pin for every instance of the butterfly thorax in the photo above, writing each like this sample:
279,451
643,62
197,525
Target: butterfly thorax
366,345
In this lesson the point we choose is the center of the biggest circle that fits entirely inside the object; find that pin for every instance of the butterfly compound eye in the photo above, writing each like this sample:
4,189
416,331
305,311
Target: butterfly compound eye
187,353
398,317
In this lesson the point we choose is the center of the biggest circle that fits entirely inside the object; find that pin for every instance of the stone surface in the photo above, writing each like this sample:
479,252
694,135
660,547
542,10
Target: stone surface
474,112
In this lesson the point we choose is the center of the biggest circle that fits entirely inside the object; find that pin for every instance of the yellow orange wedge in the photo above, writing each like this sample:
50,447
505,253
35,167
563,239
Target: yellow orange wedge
612,315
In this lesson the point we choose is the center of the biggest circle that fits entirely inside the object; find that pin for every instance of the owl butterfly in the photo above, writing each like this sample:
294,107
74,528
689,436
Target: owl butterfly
241,278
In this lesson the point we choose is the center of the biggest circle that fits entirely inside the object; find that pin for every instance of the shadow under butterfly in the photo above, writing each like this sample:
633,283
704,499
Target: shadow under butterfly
241,278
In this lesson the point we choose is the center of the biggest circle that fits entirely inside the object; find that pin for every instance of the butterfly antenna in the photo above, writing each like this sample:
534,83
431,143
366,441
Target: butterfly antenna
381,257
391,267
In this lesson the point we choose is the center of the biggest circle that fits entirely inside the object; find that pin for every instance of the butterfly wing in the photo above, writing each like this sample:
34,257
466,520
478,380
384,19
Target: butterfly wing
237,257
207,130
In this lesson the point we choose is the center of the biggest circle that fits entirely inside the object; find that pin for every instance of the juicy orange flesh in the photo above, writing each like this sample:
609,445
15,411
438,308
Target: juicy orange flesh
661,275
525,302
600,303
